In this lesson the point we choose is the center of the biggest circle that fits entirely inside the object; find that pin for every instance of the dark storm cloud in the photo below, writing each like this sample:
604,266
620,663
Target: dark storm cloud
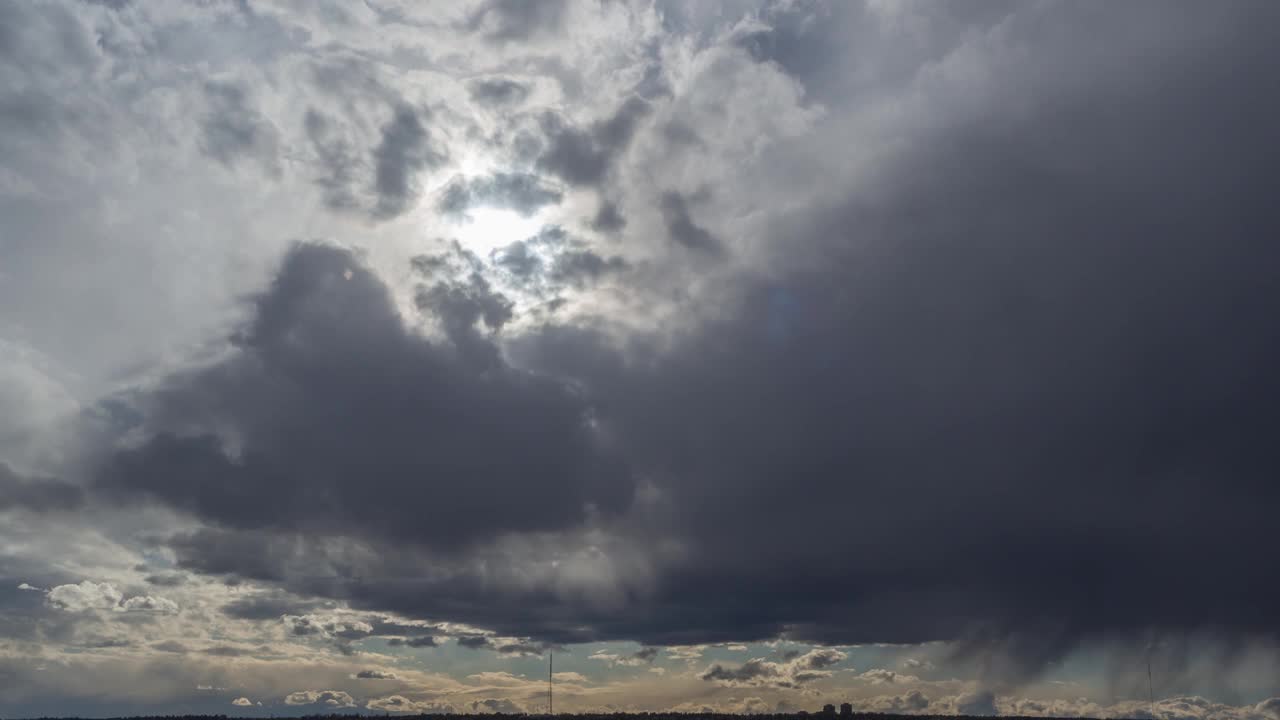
521,192
245,553
498,91
1019,384
583,157
37,495
405,149
345,423
374,675
682,228
1019,391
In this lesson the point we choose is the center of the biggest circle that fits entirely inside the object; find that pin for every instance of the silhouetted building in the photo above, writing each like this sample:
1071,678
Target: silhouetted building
846,710
828,709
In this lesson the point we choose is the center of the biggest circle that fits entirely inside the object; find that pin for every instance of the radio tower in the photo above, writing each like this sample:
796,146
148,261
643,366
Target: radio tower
551,664
1151,696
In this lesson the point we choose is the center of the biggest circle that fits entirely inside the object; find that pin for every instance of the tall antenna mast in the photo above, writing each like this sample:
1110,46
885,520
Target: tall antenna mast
551,664
1151,697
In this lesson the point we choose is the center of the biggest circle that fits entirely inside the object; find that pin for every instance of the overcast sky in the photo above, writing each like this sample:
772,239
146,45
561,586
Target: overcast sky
748,355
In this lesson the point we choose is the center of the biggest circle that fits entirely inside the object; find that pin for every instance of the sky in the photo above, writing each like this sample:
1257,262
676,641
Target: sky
747,356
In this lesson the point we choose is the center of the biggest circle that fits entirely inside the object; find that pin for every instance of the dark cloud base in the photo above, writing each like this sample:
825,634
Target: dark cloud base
424,444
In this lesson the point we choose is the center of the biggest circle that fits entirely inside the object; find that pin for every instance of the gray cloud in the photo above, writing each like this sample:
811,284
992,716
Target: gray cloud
473,641
581,267
682,228
502,646
232,128
415,642
388,626
608,218
400,703
497,425
977,703
498,91
268,607
518,648
170,646
553,260
643,656
166,579
226,651
497,705
336,157
515,20
923,370
520,260
911,701
748,672
992,360
936,375
583,157
37,495
792,673
330,698
521,192
462,305
405,149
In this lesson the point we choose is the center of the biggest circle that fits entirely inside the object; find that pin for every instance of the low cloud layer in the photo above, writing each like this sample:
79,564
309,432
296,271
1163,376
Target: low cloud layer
792,673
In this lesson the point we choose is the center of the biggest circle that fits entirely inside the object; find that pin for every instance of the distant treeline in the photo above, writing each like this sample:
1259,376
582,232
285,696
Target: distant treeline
581,716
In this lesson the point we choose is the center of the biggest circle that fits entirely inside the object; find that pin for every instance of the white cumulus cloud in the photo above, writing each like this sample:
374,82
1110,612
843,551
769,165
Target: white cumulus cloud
332,698
86,595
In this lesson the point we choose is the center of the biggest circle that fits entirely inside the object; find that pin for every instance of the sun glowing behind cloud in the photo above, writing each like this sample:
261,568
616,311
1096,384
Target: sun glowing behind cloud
484,230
